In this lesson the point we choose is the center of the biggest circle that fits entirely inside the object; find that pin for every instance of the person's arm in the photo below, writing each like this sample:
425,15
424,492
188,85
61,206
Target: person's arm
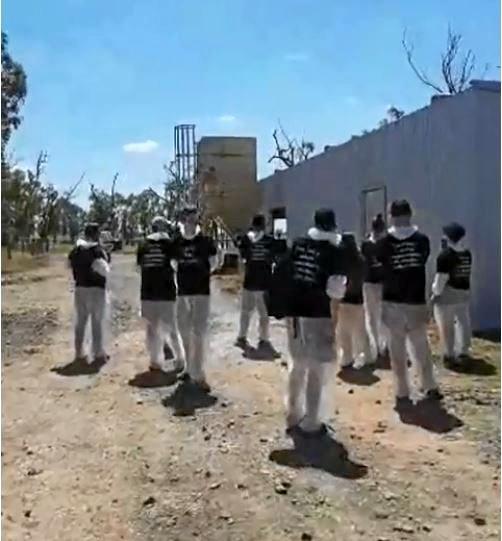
337,280
173,252
426,249
69,261
213,255
244,247
139,255
381,251
443,267
100,264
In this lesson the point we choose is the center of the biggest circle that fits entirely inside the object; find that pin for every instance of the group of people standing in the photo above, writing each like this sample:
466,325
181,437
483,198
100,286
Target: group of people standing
339,301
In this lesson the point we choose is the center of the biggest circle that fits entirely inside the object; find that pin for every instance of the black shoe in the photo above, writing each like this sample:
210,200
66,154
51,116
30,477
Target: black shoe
183,376
242,343
265,346
319,433
403,403
202,385
434,394
449,362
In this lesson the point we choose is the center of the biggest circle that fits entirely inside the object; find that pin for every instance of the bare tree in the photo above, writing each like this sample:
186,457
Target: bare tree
289,151
456,66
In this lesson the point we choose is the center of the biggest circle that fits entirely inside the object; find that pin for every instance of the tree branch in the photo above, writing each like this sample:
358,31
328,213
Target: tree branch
422,76
69,194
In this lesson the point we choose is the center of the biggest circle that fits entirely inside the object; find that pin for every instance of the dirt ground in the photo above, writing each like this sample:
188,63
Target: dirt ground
114,454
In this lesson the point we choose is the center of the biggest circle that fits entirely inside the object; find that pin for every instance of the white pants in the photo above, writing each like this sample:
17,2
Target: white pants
407,322
252,300
193,320
90,302
454,324
351,335
311,348
160,319
372,294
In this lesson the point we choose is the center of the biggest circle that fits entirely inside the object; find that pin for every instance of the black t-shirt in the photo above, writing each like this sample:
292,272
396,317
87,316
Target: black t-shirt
373,268
458,267
81,259
259,256
355,268
313,262
404,263
154,256
193,264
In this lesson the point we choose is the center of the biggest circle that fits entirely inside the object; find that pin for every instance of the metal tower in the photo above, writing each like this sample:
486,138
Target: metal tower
185,155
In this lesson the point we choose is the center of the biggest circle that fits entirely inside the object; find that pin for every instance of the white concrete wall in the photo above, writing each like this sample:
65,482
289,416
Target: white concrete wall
444,158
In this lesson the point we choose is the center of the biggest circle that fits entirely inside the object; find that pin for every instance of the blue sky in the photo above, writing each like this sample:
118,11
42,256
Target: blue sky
105,75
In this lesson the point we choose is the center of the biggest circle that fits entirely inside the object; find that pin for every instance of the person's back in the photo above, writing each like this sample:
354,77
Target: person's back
157,274
257,249
373,271
194,268
351,331
82,259
314,258
89,264
451,294
158,295
456,263
403,253
317,284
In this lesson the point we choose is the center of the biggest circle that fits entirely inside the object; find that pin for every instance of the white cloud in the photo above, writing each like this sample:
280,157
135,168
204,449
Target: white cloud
24,166
297,57
142,147
227,119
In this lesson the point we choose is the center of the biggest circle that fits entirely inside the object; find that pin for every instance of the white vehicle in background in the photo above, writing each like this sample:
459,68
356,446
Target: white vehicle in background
109,243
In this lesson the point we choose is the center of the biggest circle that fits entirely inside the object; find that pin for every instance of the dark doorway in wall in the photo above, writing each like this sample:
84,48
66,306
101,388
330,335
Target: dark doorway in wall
373,202
279,222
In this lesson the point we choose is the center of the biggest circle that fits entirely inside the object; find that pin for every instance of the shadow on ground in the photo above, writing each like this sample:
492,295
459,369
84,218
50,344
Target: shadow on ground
153,378
323,453
492,335
383,362
475,366
187,398
430,415
359,376
79,367
257,354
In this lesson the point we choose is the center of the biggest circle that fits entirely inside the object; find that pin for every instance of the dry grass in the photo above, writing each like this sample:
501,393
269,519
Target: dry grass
22,262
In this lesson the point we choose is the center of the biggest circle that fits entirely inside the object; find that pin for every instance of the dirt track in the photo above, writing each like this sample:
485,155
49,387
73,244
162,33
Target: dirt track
106,456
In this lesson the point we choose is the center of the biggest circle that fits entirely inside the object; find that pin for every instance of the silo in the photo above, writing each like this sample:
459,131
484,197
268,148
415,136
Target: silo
228,185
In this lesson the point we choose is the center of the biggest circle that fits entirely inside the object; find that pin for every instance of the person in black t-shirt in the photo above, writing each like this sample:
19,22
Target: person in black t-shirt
450,295
158,295
258,249
372,288
89,262
317,285
403,252
352,339
196,258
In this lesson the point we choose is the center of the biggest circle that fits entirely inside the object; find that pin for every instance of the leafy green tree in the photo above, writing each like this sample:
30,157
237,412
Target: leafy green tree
14,90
